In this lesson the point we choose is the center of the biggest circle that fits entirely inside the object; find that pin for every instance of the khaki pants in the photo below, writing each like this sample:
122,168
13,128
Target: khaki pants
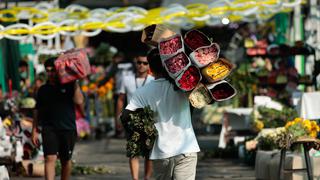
180,167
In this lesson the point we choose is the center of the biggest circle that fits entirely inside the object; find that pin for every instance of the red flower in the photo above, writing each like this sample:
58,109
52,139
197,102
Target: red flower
222,91
195,39
206,55
189,79
171,45
177,62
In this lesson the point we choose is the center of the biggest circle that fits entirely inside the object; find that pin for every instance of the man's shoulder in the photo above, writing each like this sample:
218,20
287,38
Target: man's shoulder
150,77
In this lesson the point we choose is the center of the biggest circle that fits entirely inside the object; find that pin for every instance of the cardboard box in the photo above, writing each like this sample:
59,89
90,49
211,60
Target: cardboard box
154,33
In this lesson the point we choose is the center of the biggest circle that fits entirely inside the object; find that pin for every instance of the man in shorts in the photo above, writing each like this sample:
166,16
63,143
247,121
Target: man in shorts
55,112
128,85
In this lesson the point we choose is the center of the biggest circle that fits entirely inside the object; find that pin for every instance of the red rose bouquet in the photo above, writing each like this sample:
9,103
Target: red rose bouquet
195,39
176,64
171,45
221,91
205,55
189,79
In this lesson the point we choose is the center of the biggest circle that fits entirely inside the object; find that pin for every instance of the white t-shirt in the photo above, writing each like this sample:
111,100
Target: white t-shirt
173,118
123,69
130,84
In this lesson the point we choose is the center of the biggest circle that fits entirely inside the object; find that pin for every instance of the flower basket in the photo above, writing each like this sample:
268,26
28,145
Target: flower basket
189,78
221,91
154,33
195,39
200,96
202,56
217,71
176,64
170,45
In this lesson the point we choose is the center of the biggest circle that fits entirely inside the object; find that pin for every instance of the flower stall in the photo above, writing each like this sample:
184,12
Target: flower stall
270,141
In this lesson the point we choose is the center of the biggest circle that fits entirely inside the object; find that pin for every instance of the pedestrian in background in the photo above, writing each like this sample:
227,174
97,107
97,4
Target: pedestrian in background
118,68
128,85
55,113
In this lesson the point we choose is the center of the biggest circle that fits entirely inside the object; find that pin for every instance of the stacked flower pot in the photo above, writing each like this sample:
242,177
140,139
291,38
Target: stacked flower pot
193,62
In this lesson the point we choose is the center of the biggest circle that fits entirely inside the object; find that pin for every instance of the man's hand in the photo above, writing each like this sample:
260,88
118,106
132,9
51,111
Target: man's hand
35,138
78,96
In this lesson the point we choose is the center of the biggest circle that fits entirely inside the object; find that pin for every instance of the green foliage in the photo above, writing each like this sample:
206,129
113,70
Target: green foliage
84,170
103,54
272,118
141,132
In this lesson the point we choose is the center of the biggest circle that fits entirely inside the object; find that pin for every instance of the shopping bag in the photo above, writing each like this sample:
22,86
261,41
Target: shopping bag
72,65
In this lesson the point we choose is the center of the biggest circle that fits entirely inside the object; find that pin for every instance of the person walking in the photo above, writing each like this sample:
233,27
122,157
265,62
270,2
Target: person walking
118,68
128,86
55,113
174,153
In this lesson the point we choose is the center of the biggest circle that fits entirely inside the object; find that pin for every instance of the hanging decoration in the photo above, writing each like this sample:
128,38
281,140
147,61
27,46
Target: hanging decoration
46,21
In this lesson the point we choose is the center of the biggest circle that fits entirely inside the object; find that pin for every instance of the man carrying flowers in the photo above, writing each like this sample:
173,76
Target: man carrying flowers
174,153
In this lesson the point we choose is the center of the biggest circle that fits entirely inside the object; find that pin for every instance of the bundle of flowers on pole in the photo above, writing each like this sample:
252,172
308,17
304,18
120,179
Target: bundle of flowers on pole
193,62
141,132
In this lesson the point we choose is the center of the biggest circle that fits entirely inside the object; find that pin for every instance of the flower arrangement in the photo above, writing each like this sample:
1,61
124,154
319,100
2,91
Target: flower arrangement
141,132
205,55
283,137
171,45
195,39
184,64
302,128
270,139
177,62
272,118
189,79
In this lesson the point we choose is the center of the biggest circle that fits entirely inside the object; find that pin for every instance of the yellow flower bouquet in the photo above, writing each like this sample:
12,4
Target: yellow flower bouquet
299,127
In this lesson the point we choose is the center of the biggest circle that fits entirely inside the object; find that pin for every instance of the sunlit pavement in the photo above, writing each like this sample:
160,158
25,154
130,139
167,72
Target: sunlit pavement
110,153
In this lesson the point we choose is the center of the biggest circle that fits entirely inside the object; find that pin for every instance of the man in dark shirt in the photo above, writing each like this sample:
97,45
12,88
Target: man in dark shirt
55,113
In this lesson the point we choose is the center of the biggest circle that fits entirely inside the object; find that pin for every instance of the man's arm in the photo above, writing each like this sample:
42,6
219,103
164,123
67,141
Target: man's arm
78,98
120,104
35,132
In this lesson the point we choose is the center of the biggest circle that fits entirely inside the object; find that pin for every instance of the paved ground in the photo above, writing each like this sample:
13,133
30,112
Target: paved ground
110,153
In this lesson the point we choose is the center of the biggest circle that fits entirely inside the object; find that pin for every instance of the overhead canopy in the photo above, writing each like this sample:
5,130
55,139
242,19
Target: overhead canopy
116,3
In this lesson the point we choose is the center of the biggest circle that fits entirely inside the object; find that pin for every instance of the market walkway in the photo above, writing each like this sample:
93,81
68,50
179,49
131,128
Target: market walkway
110,153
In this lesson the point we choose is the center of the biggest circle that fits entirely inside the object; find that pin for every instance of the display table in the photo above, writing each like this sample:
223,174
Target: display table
236,123
238,118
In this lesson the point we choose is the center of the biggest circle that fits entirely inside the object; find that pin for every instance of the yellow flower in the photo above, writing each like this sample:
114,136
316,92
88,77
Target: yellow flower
84,88
290,123
92,86
298,120
314,126
313,134
307,124
259,124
